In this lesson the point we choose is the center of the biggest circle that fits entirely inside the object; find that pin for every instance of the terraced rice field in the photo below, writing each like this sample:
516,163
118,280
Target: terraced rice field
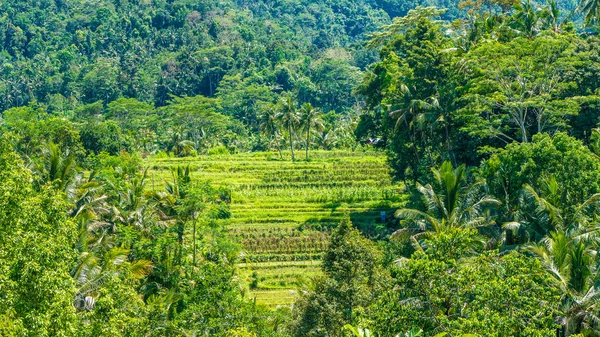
283,211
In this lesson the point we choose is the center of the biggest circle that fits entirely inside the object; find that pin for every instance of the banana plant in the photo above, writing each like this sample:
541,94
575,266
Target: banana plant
359,332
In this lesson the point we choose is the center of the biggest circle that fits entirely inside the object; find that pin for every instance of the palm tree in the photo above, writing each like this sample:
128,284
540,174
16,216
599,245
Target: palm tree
56,166
551,16
131,208
179,205
414,112
328,138
595,142
101,256
290,118
571,263
269,121
418,116
95,268
179,145
542,213
453,203
568,250
591,10
526,19
311,120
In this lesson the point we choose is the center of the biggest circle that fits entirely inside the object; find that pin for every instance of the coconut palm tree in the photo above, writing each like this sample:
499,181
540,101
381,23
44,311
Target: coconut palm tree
527,19
568,249
290,118
94,268
179,145
572,264
541,213
55,166
452,203
131,208
101,255
595,142
180,205
310,120
418,116
551,16
591,10
269,124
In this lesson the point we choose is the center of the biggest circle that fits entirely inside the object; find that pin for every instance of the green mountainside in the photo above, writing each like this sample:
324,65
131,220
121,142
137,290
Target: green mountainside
69,52
296,168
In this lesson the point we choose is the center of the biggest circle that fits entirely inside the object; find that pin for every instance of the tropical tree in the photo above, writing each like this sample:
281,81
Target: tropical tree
540,164
549,210
527,19
36,249
129,205
310,119
269,124
290,118
170,207
409,89
551,17
456,287
453,203
95,267
352,279
417,116
591,10
570,259
595,142
178,144
55,166
514,89
401,24
197,118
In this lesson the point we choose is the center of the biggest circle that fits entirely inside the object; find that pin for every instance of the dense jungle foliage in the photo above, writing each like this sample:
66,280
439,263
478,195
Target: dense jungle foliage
488,112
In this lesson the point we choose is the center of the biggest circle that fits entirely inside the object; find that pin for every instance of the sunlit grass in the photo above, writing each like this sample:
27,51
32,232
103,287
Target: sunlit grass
284,211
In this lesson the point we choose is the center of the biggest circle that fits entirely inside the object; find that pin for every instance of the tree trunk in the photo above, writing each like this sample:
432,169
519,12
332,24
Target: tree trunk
523,131
291,141
509,237
278,144
521,122
279,149
307,141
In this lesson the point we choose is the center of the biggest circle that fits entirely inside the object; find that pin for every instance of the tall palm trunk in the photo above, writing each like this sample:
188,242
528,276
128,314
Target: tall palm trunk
291,140
307,140
279,149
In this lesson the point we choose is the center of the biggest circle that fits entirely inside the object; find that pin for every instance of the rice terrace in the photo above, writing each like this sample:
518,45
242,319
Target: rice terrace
283,210
300,168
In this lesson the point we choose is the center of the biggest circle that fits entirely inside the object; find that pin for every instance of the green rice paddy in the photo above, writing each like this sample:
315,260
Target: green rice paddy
283,211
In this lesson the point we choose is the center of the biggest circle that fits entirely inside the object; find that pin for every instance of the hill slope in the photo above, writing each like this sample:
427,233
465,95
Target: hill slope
282,211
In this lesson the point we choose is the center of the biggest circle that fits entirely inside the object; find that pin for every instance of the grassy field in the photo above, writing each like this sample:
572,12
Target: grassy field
283,211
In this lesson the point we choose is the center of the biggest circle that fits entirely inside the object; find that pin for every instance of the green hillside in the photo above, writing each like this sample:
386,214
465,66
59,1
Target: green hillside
299,168
65,53
282,212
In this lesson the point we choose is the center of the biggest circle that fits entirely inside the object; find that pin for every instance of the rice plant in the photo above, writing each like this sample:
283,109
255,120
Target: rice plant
283,211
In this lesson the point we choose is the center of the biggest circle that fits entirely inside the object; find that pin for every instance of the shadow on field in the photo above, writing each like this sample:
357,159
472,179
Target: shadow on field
333,206
374,223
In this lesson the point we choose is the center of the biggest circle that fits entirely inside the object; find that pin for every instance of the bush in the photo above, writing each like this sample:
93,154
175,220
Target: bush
219,151
560,156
